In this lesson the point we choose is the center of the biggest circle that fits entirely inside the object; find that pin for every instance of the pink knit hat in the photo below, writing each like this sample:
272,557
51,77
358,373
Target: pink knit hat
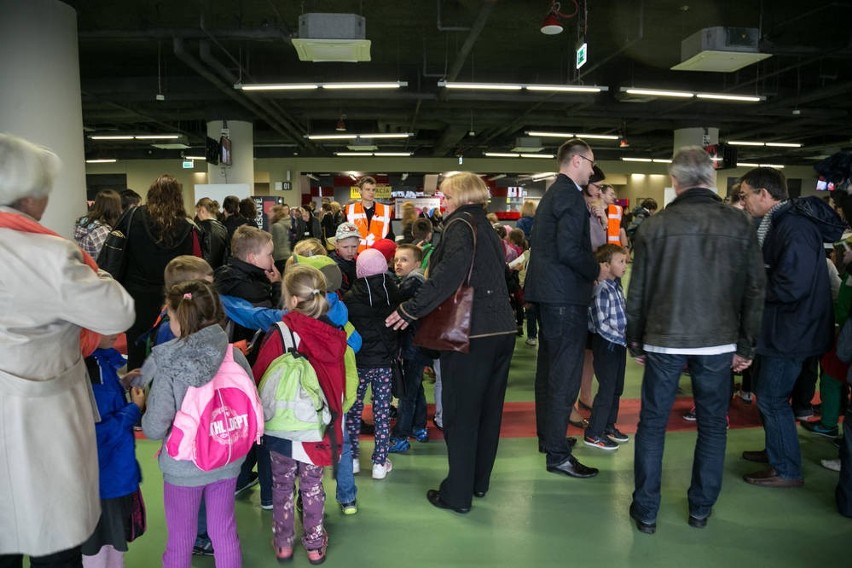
369,263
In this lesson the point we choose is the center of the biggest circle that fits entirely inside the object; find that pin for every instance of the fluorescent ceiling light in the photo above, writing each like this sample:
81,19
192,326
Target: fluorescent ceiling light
772,144
567,88
158,137
542,175
353,154
658,93
278,87
112,137
331,136
378,85
392,154
374,154
550,156
551,134
784,144
744,143
572,135
481,86
636,159
661,161
501,155
597,136
397,135
736,98
102,161
194,158
750,165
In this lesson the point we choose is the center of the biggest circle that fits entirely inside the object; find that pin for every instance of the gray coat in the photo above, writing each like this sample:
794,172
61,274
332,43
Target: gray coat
173,367
48,454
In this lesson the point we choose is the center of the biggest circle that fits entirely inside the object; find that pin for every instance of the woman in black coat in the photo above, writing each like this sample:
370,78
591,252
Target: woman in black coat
474,383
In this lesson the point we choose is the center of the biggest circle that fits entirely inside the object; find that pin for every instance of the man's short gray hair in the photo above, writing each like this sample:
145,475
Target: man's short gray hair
692,167
26,170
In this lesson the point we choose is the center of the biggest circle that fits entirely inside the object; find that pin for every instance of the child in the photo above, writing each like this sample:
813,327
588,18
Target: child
607,322
250,274
412,402
121,500
324,346
421,230
192,360
346,242
372,298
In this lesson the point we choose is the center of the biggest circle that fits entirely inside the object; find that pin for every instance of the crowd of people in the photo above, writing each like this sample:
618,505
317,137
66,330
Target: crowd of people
298,322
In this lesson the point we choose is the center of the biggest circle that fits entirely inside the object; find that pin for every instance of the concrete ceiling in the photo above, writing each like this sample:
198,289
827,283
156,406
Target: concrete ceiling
193,52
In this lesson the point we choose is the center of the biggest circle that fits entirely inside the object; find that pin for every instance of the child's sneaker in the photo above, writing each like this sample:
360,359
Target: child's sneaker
317,555
350,508
421,434
381,471
356,466
600,442
690,416
266,505
203,546
531,341
398,446
616,435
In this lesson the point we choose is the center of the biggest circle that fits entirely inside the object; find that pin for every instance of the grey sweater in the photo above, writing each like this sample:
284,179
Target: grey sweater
173,367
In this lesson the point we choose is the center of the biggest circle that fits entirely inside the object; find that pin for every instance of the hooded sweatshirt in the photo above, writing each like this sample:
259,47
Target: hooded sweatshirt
324,346
370,301
177,365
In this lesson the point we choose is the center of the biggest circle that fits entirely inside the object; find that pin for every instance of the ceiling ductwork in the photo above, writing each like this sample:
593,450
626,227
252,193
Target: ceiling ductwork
720,50
332,38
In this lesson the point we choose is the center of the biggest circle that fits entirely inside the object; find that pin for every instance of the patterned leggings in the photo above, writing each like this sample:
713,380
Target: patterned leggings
380,380
284,472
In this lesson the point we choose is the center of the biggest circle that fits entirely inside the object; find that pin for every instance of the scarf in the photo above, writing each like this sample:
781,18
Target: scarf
766,222
19,222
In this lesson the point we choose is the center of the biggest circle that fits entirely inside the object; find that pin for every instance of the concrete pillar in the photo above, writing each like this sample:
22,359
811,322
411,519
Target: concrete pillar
700,136
241,170
40,95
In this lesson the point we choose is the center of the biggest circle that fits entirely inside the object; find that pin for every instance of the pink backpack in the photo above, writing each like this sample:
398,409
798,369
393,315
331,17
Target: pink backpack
218,423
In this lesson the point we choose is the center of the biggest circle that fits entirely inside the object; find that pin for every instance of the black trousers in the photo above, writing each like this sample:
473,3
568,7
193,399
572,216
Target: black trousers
474,386
71,558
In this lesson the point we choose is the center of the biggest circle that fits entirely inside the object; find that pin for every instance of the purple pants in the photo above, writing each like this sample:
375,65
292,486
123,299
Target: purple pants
284,471
181,508
380,380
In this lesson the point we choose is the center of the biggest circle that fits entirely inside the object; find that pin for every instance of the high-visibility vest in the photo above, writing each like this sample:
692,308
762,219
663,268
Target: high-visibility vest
378,227
614,213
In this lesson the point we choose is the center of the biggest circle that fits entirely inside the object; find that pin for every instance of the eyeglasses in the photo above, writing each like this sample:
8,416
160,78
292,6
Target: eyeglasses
587,159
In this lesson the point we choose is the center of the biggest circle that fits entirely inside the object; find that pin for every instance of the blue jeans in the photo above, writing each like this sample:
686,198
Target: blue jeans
559,368
412,405
773,387
346,489
711,378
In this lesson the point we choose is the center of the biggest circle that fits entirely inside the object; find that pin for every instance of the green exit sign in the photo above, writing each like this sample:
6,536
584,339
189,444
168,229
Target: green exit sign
582,55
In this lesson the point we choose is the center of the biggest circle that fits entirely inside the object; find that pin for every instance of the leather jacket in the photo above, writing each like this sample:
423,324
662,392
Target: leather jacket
698,278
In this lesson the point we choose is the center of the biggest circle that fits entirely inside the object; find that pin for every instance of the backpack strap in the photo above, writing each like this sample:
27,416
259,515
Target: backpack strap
288,339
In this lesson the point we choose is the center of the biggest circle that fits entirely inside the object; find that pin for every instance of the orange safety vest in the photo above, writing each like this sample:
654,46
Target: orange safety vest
378,227
614,214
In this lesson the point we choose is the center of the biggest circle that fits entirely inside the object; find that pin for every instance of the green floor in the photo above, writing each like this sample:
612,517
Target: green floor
533,518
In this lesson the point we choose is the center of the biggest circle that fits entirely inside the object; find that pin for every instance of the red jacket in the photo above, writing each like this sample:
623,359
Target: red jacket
324,346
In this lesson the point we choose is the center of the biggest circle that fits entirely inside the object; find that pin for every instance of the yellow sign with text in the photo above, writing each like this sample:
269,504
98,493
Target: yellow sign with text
382,192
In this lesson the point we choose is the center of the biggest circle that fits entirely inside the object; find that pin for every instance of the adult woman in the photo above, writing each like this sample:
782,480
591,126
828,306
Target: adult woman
279,224
409,214
49,460
248,210
214,235
158,232
525,223
474,383
309,227
91,230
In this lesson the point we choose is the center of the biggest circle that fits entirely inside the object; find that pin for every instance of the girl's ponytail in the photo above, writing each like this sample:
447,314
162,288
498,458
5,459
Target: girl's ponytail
195,305
308,285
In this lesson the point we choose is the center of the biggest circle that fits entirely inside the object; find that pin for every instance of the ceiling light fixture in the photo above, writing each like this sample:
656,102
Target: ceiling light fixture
102,161
552,24
636,159
772,144
500,155
194,158
312,86
158,137
460,85
278,87
658,93
368,136
542,176
331,136
572,135
341,124
358,86
112,137
374,154
134,137
735,98
784,144
550,156
750,165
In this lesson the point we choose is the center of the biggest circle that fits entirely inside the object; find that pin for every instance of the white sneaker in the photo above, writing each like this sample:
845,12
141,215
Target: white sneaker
532,341
381,471
356,467
833,465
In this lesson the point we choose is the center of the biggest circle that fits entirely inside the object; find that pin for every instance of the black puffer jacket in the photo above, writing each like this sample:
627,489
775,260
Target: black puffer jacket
697,279
370,301
449,266
246,281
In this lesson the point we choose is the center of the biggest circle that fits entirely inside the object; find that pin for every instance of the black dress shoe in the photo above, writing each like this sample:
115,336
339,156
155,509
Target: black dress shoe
434,497
697,523
479,494
572,441
758,456
573,468
644,527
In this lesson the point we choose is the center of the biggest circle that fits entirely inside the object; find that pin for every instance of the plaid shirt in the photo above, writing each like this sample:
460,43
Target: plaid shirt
91,236
607,317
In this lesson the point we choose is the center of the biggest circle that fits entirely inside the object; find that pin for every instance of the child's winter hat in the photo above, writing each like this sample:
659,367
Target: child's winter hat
326,265
387,247
369,263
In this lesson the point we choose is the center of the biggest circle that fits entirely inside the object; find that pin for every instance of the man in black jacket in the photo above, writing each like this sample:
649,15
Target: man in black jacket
560,275
798,319
695,300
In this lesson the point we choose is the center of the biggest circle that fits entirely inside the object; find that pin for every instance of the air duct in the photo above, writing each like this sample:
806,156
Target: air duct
720,50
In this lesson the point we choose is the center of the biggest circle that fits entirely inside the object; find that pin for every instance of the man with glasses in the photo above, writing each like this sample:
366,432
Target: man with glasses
797,318
560,276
